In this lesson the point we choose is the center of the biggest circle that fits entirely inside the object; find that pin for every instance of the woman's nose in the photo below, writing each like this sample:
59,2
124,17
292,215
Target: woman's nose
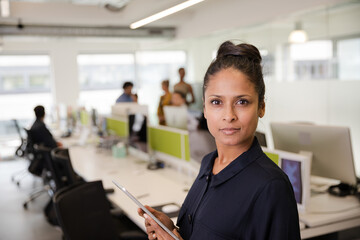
229,114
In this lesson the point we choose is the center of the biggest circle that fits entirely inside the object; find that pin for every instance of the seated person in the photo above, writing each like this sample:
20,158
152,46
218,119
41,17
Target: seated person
178,99
127,95
176,114
40,134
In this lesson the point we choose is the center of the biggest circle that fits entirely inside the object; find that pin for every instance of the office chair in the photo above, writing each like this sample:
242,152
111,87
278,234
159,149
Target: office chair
20,152
61,158
83,212
44,164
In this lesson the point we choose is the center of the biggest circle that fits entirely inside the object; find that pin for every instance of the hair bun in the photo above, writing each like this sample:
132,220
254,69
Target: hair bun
241,50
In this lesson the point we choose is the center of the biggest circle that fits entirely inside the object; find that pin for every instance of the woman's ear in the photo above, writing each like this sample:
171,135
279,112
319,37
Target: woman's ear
262,109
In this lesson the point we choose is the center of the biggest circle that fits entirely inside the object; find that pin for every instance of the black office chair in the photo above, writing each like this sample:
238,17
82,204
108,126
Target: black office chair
42,165
62,161
20,152
83,212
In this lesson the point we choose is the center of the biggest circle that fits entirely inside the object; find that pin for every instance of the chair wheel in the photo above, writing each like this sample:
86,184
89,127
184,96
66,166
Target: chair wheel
25,205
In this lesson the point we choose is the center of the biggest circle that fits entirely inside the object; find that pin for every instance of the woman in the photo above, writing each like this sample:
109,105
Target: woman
184,87
239,193
164,101
178,99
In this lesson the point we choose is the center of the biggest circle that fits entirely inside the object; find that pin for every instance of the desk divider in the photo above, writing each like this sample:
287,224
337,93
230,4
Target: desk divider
174,142
117,125
84,118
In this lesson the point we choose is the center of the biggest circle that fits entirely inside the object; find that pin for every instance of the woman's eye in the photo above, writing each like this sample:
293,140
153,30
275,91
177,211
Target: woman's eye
215,102
242,102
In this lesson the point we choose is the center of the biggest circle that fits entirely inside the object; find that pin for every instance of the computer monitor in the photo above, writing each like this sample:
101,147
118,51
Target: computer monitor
330,146
201,142
176,117
297,168
261,137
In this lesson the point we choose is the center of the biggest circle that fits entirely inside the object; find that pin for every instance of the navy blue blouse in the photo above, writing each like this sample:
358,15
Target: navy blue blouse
252,198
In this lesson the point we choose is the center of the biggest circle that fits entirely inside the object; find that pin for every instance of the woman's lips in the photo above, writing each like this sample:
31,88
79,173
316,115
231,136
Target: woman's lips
229,131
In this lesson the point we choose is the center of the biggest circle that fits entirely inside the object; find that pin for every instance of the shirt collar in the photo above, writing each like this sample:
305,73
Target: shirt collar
234,167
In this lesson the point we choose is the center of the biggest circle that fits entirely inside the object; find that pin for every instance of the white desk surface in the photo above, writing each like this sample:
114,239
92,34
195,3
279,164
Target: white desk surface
167,185
151,187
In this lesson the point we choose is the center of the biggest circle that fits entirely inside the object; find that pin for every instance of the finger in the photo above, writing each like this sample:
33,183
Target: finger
140,212
153,211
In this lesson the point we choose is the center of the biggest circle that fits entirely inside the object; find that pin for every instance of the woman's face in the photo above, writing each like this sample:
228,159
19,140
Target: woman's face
177,100
231,108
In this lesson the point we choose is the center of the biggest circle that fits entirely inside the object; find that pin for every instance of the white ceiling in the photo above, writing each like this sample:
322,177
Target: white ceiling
201,19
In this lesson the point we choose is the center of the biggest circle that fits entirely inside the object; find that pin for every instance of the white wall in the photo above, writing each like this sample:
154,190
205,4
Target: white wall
322,102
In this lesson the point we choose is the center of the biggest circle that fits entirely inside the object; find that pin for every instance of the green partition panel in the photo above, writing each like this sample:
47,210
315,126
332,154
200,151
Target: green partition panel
169,142
273,156
187,148
84,118
117,126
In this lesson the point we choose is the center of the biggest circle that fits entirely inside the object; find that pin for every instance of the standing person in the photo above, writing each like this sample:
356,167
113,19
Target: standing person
184,87
164,101
127,95
40,134
239,192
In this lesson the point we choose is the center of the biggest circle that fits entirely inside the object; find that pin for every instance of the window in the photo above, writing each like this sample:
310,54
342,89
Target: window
24,83
24,73
152,68
101,79
105,71
349,59
309,61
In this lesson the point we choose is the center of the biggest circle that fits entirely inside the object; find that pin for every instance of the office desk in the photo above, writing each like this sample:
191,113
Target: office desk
151,187
167,185
341,214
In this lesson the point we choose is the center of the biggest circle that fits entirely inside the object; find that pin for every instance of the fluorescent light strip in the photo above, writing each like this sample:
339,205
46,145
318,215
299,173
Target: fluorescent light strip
164,13
5,8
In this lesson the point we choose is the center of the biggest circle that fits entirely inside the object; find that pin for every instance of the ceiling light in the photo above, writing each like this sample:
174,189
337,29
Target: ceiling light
5,8
298,35
164,13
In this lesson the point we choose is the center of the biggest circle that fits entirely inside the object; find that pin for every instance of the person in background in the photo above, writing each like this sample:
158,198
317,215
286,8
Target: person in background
135,97
184,87
178,99
239,193
127,95
40,134
164,101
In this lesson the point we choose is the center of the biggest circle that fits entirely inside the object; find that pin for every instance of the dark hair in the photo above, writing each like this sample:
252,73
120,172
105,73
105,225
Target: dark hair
244,57
39,111
127,84
165,82
182,95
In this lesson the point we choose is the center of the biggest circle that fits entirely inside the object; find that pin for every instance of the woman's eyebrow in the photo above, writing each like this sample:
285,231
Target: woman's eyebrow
239,96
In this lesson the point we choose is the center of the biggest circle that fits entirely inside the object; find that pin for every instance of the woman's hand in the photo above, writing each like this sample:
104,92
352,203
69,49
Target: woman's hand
153,230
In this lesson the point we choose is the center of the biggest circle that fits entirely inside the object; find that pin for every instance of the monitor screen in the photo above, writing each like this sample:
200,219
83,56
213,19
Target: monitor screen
176,117
292,168
201,142
138,132
330,147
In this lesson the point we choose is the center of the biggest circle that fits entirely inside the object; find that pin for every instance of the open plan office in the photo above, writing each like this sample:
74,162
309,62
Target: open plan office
110,105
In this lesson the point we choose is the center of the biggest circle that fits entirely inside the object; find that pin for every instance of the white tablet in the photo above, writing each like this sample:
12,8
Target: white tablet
145,210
